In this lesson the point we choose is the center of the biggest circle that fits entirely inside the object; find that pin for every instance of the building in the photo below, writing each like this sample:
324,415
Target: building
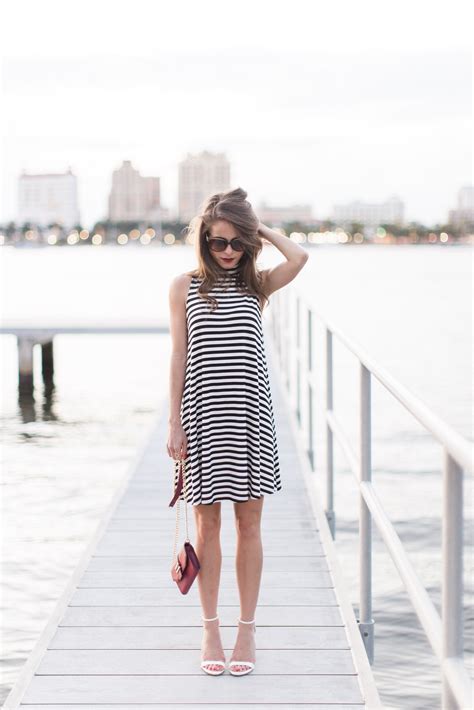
48,198
133,198
463,214
167,215
200,176
277,216
370,214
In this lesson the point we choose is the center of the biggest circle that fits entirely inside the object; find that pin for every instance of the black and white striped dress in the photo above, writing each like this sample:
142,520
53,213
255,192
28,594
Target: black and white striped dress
226,408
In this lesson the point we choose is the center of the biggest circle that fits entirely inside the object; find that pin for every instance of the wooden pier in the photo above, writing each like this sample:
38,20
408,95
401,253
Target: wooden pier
29,334
122,635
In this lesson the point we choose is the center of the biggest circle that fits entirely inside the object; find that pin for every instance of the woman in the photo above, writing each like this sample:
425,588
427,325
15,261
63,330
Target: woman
221,416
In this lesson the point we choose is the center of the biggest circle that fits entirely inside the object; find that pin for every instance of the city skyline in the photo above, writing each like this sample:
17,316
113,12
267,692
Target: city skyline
172,212
52,198
309,120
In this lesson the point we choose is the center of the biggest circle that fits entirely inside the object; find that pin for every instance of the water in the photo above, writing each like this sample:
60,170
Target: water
409,307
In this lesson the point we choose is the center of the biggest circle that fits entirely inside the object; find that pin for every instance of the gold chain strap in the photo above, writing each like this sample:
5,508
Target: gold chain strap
175,546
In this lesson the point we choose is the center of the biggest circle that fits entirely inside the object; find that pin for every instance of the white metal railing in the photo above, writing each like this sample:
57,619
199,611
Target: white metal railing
445,633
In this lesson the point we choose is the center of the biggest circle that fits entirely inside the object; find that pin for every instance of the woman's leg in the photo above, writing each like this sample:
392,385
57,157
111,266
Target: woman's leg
249,563
208,550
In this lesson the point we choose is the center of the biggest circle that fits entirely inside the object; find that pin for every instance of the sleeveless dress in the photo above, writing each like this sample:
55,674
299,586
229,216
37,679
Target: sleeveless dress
226,408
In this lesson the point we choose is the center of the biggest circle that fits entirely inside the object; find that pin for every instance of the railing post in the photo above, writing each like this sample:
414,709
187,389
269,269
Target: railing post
452,560
310,387
366,623
330,514
47,360
277,324
286,320
25,347
298,362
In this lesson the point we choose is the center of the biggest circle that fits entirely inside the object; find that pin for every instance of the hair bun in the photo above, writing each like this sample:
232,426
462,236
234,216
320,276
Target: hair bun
238,193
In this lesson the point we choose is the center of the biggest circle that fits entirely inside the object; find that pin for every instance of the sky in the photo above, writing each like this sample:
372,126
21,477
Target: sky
312,102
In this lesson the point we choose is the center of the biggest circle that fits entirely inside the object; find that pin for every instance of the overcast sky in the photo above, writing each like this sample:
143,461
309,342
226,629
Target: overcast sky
319,102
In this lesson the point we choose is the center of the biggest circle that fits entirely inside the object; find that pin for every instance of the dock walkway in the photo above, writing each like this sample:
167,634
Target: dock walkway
123,636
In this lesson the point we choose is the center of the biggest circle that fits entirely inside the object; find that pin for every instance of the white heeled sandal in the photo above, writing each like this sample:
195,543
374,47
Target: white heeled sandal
212,663
250,664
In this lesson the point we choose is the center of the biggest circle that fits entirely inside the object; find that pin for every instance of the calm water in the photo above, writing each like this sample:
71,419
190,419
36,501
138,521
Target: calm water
410,307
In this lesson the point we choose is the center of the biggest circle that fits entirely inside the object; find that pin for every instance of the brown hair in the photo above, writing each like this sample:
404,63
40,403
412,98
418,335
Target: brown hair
233,207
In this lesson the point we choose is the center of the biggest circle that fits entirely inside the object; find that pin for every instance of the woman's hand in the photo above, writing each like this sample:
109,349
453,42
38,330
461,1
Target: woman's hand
177,442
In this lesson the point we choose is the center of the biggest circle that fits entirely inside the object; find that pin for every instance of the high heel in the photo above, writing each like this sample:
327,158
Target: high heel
212,663
250,664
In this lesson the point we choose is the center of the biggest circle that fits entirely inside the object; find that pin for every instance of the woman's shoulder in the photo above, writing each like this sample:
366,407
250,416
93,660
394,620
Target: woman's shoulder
180,283
184,277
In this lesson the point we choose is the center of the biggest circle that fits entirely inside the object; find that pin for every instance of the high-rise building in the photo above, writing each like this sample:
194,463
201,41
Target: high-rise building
48,198
370,214
133,198
277,216
463,214
200,176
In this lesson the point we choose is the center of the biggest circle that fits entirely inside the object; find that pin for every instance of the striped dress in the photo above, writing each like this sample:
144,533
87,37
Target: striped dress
226,408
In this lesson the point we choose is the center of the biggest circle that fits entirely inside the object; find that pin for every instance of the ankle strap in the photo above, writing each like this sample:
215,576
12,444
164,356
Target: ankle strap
247,622
216,617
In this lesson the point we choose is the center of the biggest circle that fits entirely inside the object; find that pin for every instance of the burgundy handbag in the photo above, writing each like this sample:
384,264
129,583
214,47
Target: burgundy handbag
185,565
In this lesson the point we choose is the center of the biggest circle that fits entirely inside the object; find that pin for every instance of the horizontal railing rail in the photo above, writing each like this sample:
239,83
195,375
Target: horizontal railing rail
37,330
445,632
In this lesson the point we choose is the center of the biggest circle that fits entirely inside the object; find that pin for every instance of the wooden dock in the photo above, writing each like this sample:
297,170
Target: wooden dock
122,635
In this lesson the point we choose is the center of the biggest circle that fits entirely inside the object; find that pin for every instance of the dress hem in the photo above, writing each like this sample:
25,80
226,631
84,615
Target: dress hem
234,500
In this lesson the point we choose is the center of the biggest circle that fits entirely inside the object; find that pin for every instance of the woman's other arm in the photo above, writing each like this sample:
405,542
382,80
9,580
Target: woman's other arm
296,257
179,348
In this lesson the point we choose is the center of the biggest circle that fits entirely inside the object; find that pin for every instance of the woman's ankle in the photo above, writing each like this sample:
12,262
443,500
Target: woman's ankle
210,623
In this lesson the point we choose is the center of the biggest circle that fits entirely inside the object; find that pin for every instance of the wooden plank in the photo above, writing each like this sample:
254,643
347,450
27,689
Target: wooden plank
281,526
149,597
288,510
222,689
145,542
186,662
182,637
275,515
273,564
179,615
152,578
278,528
192,706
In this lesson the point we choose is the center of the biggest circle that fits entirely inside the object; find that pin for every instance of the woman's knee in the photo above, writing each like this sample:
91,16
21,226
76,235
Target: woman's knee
208,521
248,525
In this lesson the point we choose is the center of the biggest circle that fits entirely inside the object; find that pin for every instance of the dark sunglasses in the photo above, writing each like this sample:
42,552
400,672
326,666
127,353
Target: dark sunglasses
220,244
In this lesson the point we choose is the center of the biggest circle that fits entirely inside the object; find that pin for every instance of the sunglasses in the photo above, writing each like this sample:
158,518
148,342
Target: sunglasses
220,244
